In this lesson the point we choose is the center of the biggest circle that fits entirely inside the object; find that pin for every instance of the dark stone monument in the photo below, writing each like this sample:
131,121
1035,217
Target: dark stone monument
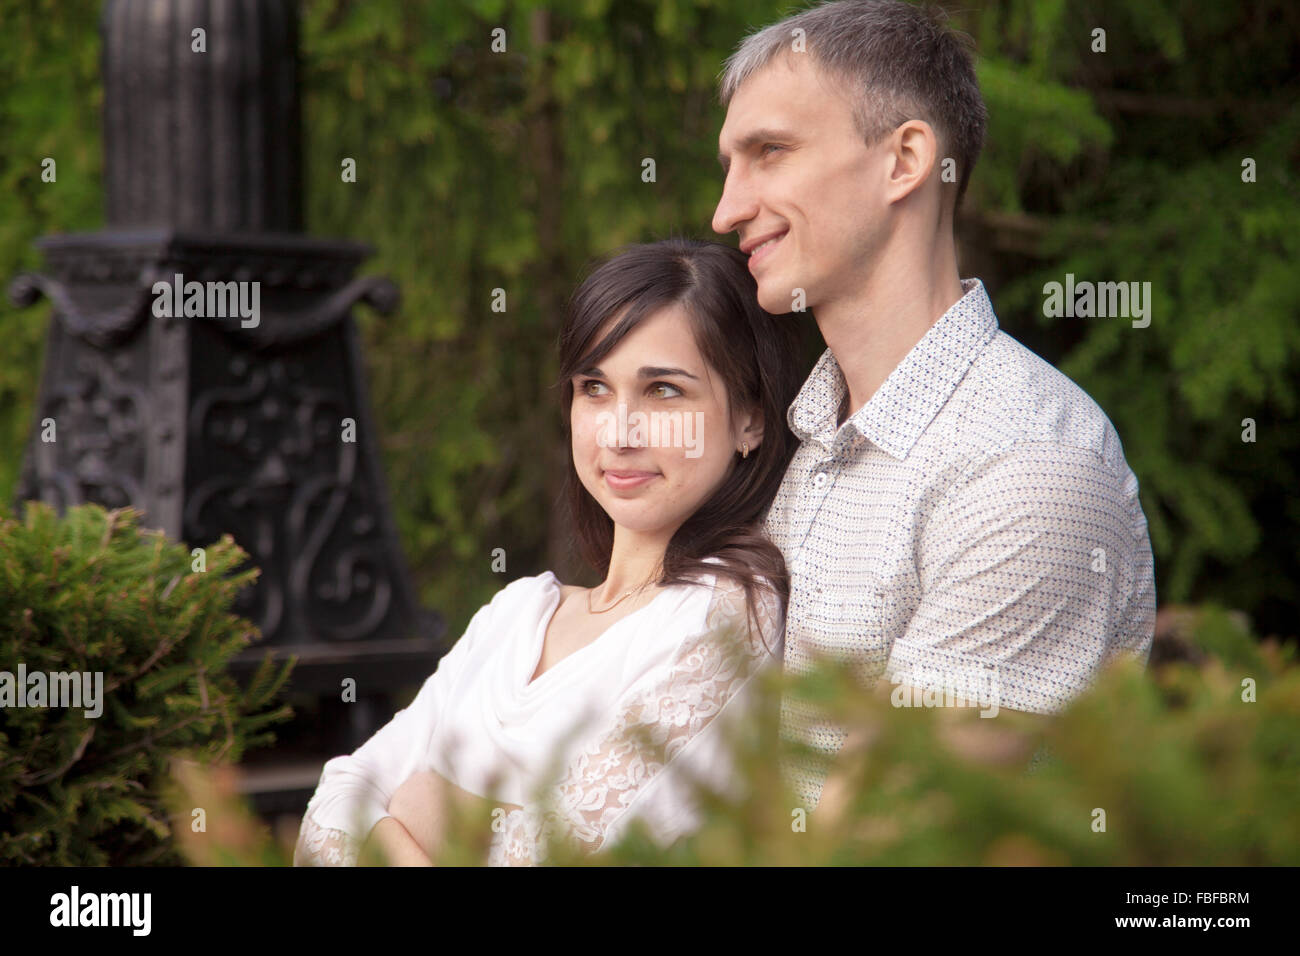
228,422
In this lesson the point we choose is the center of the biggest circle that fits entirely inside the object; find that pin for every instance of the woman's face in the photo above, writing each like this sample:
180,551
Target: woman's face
651,433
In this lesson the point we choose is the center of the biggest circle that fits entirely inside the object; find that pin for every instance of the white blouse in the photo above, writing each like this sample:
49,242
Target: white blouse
621,729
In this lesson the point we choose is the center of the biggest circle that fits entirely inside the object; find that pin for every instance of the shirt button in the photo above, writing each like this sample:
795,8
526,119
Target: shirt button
820,480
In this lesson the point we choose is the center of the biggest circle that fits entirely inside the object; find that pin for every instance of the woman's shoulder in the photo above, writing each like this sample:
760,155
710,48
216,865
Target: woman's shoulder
727,587
520,594
567,589
719,604
529,588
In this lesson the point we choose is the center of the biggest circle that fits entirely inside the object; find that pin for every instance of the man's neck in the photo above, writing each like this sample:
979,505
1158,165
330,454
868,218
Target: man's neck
871,331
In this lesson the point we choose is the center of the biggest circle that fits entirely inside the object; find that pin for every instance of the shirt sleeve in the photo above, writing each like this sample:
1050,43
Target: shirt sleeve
670,733
355,789
1035,571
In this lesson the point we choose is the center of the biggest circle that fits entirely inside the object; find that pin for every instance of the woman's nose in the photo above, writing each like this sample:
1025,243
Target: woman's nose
626,425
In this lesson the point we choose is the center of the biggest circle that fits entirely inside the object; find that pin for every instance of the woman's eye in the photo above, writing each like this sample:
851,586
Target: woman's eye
586,388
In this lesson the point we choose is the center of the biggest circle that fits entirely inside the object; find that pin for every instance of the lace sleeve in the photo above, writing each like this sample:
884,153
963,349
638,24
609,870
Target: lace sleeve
611,779
521,840
324,846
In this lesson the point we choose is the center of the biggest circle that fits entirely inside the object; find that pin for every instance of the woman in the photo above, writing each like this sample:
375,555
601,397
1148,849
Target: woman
578,710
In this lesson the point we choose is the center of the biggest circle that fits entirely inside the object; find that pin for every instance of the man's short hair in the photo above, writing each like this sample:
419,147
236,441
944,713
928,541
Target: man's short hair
898,62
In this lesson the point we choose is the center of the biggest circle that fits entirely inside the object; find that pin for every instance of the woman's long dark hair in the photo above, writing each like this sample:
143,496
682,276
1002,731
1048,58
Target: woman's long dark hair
756,355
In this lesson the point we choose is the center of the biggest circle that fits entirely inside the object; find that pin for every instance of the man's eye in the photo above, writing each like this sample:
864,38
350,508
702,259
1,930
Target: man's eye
767,146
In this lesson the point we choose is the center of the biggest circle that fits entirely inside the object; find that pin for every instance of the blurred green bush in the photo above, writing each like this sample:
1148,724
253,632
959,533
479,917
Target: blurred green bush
1194,761
94,593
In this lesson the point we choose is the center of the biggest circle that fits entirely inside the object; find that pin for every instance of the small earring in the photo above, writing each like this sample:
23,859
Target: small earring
745,452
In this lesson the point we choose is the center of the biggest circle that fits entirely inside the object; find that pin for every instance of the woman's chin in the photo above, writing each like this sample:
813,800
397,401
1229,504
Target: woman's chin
639,523
640,520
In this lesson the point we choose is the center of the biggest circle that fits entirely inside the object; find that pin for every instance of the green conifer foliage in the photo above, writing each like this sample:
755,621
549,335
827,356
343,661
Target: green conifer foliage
93,593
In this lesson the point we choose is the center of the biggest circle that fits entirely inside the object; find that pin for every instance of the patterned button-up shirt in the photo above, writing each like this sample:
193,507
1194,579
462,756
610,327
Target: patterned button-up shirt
973,526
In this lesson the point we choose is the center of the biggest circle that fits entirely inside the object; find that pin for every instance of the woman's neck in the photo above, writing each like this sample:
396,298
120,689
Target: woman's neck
636,559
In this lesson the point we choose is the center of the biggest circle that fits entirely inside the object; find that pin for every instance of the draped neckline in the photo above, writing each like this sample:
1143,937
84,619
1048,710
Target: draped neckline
539,637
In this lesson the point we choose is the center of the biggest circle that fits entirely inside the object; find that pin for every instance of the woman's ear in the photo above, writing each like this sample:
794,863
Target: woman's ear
751,429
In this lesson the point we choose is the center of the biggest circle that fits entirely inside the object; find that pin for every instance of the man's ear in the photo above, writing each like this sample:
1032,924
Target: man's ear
914,149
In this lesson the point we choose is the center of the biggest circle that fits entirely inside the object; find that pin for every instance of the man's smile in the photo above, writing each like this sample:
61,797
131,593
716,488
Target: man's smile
764,247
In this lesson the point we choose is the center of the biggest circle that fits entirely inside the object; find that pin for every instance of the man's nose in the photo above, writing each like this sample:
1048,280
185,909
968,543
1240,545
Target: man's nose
737,204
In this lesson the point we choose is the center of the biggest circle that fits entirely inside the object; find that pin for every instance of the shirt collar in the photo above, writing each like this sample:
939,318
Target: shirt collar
898,413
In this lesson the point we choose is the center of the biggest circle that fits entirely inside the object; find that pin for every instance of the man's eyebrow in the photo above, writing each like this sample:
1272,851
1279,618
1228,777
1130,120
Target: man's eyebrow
753,139
645,371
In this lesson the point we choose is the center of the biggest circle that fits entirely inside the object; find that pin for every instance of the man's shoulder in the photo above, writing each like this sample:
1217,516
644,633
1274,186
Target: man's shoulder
1011,396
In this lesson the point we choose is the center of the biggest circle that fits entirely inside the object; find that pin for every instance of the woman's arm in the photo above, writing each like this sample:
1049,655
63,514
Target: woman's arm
425,806
396,844
355,790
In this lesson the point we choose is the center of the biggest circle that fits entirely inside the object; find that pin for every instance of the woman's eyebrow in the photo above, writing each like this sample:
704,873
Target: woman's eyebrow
645,371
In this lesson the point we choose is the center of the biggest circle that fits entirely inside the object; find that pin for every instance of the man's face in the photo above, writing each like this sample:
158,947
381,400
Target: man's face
797,170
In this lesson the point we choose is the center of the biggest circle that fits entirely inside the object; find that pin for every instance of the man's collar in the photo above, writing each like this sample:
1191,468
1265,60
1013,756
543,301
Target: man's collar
915,390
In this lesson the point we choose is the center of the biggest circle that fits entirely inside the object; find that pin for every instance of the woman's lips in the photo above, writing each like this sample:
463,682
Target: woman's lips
623,480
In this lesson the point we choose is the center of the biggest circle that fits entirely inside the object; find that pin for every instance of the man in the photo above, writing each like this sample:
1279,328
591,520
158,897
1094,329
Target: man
958,508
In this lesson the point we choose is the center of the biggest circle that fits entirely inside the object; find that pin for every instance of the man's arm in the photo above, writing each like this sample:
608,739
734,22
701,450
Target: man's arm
838,789
1027,569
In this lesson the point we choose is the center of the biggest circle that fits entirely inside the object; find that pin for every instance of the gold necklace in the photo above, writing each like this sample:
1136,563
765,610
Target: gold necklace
626,595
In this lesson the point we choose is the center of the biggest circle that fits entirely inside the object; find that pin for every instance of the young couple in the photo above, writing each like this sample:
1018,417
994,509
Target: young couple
936,506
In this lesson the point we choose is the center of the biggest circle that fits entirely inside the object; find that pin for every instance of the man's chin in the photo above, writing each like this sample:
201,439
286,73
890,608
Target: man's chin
777,303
